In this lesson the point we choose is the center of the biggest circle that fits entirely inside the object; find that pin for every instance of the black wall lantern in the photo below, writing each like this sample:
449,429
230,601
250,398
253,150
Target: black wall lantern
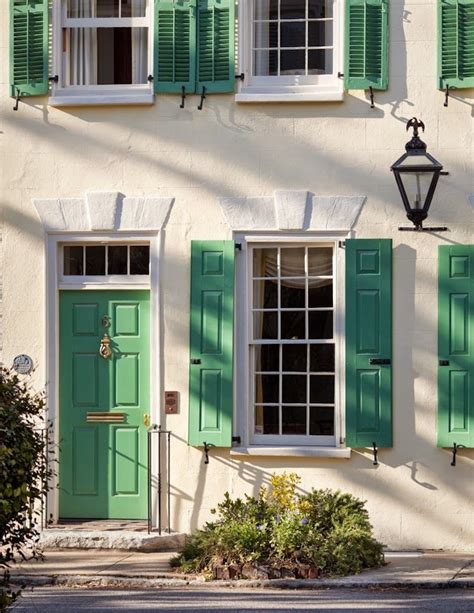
417,173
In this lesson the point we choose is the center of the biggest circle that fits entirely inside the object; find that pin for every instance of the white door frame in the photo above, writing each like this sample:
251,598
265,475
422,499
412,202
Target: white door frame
53,250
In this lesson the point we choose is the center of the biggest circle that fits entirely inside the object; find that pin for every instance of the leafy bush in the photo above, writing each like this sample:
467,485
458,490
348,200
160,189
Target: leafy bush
326,531
24,475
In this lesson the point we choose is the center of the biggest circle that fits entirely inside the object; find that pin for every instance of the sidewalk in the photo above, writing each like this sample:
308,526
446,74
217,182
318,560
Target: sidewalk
151,570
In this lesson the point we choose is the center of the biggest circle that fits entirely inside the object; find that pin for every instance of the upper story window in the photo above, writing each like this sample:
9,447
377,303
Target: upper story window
102,48
290,47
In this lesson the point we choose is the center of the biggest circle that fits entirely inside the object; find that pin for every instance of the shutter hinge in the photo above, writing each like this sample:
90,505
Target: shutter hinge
341,244
238,246
203,97
17,99
207,446
375,451
150,78
371,96
455,450
340,75
446,95
240,76
183,97
54,79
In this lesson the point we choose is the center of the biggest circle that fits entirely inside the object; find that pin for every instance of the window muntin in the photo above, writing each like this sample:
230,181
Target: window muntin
92,260
292,344
292,38
104,43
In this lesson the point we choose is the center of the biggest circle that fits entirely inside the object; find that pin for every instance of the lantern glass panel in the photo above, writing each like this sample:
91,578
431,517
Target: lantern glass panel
416,186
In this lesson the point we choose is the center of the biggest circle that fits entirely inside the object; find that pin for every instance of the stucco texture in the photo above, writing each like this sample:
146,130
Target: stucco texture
228,150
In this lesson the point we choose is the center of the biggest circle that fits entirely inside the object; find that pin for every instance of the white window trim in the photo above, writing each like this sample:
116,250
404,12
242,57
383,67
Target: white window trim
97,95
275,89
243,414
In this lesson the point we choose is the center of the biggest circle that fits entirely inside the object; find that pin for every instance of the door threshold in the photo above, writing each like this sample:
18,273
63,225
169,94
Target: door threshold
101,525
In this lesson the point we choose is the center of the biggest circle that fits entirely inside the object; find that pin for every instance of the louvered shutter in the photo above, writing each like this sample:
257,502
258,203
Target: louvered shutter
366,44
174,46
211,343
456,43
456,346
368,342
29,47
215,44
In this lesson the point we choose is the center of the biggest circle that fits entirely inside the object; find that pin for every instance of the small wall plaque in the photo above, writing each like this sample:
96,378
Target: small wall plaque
23,364
171,403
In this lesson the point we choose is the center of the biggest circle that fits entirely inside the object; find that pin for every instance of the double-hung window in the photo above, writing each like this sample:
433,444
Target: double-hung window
292,344
102,50
291,47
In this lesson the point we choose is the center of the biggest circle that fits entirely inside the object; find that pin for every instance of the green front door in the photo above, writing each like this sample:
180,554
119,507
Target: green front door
104,404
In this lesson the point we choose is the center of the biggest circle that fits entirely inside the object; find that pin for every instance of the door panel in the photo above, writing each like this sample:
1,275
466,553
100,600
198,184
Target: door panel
103,466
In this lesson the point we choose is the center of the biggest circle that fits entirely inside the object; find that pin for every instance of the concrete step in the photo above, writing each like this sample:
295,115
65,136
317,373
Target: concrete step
57,539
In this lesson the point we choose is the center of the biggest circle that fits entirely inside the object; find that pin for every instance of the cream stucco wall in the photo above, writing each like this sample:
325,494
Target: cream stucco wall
415,498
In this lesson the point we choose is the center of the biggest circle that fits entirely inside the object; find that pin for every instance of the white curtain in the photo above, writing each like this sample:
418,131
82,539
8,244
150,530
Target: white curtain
83,46
139,45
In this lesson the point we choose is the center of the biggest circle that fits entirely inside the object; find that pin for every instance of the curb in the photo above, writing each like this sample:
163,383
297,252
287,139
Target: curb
282,584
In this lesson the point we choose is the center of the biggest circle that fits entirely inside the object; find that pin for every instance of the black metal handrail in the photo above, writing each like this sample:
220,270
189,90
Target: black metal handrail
167,434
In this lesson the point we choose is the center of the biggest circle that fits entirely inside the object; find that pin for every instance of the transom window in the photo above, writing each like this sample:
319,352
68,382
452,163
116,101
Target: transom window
292,37
292,344
95,260
104,42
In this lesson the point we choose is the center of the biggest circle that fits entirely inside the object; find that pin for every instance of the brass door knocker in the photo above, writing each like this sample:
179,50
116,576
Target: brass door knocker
104,349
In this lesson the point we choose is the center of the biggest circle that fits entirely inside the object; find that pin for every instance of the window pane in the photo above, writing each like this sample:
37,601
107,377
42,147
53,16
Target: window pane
321,358
320,33
73,260
266,10
117,260
95,260
294,358
320,262
294,388
265,294
293,420
320,8
293,325
319,293
265,63
265,325
292,9
133,8
139,260
293,34
292,62
320,324
267,420
264,262
320,61
321,421
292,262
267,389
105,8
266,34
292,294
267,357
321,389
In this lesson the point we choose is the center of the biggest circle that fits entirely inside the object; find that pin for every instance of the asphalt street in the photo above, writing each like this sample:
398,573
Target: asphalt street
67,600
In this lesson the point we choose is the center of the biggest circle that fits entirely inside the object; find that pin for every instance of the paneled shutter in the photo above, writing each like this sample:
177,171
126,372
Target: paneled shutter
368,342
456,43
456,346
211,343
215,44
366,44
29,47
174,46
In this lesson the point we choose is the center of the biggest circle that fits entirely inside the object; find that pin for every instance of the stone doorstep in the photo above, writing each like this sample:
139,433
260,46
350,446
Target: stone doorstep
52,539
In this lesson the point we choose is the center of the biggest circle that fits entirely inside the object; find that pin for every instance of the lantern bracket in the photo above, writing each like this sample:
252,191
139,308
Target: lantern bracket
420,228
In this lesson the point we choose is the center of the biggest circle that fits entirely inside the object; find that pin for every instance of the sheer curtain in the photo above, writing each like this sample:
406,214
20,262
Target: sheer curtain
139,45
83,46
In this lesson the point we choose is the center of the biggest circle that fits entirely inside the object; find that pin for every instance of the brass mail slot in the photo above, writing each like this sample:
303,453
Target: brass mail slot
105,417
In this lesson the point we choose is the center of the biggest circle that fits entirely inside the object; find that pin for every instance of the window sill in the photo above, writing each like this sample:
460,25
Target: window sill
301,452
320,95
102,99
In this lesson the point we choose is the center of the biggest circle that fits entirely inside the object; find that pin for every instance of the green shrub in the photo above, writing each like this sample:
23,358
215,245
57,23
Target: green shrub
327,530
23,475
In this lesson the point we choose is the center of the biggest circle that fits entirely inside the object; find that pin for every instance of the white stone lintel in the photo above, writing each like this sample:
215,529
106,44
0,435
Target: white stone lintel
103,211
292,210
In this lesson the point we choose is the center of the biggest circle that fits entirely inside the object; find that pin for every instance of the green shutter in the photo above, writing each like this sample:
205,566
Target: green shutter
174,46
366,44
29,47
368,337
455,43
456,346
215,40
211,343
